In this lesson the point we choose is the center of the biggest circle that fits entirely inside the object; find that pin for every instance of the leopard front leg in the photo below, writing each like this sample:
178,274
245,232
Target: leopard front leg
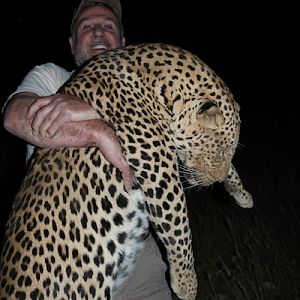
234,186
170,220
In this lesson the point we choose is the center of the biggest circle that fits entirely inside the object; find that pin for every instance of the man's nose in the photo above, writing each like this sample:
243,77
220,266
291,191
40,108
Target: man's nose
98,30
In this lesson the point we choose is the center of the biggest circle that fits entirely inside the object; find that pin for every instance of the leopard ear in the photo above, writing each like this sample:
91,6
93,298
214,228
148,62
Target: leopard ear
210,115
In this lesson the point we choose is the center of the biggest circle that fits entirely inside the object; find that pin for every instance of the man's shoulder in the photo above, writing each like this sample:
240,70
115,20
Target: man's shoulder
51,67
51,73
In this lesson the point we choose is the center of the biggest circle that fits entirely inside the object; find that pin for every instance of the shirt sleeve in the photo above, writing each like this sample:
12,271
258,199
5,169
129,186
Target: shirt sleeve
43,80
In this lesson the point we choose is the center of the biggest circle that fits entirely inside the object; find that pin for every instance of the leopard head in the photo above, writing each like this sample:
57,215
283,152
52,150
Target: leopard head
206,135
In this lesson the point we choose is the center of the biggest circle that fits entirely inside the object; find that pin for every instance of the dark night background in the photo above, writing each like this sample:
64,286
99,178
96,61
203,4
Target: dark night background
240,254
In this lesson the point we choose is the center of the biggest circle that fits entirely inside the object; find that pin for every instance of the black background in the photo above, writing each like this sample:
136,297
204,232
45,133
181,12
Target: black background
253,47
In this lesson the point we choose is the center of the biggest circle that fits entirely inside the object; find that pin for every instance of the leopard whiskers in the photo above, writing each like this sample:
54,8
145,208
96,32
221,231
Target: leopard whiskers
186,170
196,184
187,173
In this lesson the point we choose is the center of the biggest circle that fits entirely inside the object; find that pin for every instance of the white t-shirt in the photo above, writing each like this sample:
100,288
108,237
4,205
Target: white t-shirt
43,80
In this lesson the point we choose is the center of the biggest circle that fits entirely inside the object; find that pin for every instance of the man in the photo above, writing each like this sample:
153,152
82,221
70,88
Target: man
45,119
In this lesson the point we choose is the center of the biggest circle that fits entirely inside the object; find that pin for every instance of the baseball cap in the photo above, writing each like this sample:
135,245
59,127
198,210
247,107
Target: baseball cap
114,5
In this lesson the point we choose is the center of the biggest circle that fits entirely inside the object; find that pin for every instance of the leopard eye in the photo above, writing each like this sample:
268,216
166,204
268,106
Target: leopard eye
206,106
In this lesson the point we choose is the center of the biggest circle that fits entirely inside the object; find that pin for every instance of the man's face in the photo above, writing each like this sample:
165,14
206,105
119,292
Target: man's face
96,30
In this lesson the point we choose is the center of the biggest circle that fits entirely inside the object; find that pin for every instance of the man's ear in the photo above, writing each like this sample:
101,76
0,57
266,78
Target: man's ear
71,42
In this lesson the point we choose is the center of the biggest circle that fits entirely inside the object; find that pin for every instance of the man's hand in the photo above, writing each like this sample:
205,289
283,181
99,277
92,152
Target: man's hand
108,143
47,114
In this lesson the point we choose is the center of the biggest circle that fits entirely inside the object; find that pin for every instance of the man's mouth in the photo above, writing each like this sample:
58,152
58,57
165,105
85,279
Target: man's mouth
99,46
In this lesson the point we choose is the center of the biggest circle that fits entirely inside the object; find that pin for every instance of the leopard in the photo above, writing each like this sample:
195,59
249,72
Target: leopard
74,230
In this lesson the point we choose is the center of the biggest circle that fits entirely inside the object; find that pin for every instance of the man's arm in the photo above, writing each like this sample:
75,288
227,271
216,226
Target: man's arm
37,119
64,121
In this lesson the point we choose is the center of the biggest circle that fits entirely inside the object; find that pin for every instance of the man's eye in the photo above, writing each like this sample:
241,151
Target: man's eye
86,27
108,27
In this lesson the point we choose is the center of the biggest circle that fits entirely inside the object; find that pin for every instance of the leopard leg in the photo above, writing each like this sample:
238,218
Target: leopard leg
170,220
235,188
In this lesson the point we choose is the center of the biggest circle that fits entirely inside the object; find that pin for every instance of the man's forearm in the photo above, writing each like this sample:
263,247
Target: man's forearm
14,117
69,134
74,134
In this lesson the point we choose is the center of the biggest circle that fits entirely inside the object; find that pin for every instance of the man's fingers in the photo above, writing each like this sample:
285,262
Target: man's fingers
41,117
128,178
109,145
36,106
50,124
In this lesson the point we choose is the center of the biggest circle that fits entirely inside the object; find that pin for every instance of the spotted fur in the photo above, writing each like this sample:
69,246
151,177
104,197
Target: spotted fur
74,230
